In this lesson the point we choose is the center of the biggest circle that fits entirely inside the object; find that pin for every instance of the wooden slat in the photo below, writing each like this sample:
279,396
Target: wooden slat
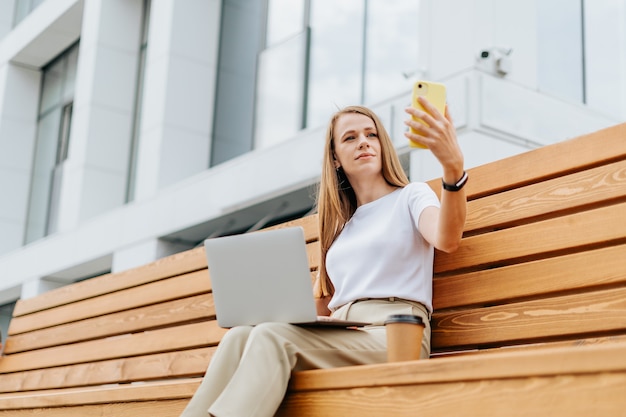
164,408
531,279
178,287
170,390
572,155
181,263
169,339
565,316
556,396
580,229
588,359
142,368
308,223
564,193
199,307
476,384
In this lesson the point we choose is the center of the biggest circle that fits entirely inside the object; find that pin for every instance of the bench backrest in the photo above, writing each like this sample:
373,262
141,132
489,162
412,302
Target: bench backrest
544,249
541,261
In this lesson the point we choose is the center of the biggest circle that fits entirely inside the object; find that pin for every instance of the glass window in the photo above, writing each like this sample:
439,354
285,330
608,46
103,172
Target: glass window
280,28
351,52
560,49
392,39
242,32
52,86
52,143
605,59
134,142
336,57
280,90
23,8
42,178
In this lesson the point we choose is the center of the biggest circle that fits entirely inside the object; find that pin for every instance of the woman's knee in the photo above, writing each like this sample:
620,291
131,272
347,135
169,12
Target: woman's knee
272,330
237,336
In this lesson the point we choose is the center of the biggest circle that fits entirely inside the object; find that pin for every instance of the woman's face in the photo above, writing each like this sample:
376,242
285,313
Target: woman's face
357,147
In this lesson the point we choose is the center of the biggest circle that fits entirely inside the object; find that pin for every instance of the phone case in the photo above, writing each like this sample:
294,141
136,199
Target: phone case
435,93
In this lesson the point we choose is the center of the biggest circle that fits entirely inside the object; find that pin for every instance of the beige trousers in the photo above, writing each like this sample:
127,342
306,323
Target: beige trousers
250,370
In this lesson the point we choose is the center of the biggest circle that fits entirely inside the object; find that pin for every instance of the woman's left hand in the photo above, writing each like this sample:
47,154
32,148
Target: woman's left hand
439,136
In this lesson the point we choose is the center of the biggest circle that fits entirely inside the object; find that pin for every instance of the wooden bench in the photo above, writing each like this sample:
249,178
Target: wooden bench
530,314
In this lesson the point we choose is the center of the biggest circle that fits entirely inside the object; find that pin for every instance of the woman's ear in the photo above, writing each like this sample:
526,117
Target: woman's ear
335,162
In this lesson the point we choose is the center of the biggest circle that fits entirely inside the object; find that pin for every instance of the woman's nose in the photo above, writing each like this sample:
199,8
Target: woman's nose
363,141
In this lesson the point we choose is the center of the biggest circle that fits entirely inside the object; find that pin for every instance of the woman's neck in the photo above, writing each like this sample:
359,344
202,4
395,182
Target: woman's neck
368,191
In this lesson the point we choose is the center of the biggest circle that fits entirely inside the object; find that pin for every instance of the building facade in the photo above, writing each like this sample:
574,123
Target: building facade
134,129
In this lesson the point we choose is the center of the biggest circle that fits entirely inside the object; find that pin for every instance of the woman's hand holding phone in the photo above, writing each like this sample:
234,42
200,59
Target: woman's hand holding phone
433,129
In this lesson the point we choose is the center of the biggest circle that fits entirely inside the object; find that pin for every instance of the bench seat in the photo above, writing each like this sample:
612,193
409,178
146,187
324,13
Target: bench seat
530,314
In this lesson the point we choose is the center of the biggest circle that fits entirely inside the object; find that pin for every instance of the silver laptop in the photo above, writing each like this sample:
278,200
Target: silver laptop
264,277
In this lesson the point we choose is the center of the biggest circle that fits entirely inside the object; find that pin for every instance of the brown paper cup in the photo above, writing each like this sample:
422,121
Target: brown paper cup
404,337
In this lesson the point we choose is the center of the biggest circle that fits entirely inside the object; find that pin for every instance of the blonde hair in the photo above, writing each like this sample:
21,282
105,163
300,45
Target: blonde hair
336,201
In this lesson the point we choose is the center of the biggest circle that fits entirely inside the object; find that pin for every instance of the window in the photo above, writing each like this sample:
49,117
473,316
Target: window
23,8
241,41
391,37
344,52
605,59
560,49
134,142
336,57
52,143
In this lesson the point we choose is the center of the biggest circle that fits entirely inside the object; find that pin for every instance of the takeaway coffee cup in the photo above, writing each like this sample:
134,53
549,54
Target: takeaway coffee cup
404,337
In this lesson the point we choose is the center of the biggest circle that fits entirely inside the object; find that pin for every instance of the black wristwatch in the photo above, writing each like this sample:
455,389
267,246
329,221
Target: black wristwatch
456,186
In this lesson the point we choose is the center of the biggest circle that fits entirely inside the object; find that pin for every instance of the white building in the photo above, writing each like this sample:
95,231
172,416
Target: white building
134,129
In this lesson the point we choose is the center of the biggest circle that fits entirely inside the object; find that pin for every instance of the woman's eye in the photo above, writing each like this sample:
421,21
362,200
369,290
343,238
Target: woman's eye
348,138
373,135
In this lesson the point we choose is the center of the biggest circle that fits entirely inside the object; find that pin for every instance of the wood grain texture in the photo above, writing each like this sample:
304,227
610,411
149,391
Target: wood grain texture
550,318
566,233
557,396
169,390
199,307
532,279
163,408
570,192
181,286
576,154
495,364
182,363
163,340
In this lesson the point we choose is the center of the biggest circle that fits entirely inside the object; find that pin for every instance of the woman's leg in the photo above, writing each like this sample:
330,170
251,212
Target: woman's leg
273,350
250,370
223,365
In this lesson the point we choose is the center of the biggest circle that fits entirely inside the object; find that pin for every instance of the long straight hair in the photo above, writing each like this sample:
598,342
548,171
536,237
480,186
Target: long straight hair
336,201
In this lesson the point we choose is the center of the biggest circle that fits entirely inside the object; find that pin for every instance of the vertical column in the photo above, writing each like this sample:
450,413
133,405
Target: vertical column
19,94
38,286
179,93
95,173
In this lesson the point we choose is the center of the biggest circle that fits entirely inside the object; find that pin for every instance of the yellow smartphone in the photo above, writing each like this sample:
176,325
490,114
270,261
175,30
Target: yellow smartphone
435,93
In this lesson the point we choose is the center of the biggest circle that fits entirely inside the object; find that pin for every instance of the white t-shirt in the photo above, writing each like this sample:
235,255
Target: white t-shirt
380,252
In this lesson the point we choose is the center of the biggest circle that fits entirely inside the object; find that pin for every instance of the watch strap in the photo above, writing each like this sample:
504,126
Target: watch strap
457,185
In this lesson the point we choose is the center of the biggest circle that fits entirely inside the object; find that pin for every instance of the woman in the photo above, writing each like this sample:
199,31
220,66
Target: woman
378,233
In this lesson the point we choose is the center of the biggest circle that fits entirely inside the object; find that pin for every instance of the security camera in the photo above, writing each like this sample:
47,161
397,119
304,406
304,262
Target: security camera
496,59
